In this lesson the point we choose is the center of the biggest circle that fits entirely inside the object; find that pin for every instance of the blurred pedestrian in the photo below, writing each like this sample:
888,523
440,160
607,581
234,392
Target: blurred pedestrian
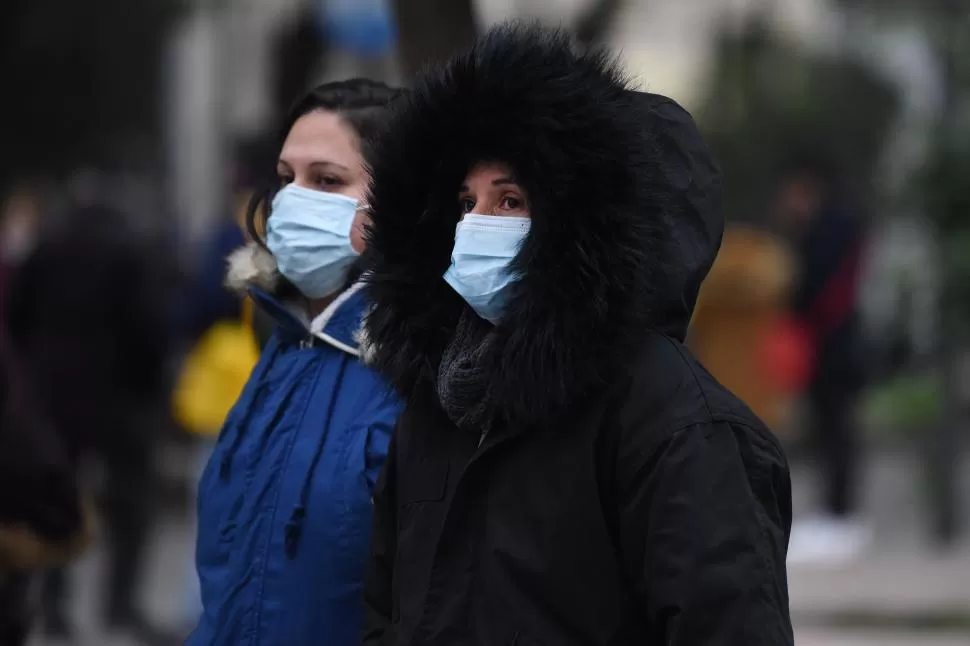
564,471
41,519
829,237
20,228
254,171
284,502
208,301
88,315
740,303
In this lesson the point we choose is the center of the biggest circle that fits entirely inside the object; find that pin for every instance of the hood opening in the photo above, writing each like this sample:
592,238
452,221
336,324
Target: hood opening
625,219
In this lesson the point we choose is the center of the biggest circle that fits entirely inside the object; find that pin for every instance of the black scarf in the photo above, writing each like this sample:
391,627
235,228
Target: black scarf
464,374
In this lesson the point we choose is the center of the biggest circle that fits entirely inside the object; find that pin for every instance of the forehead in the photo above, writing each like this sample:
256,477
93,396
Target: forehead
486,171
321,136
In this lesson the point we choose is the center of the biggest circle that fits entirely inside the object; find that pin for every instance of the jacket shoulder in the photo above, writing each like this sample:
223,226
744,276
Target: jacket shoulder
668,389
703,495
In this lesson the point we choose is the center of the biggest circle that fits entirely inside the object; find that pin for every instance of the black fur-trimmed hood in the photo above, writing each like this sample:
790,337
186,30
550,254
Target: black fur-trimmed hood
625,219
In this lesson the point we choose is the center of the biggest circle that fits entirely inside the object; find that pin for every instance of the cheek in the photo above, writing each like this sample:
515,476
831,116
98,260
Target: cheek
358,231
356,187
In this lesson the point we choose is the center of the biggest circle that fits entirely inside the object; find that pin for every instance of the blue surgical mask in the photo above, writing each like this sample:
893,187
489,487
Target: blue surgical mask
484,247
309,235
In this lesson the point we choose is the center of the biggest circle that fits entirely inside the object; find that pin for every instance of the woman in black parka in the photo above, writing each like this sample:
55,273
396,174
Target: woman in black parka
564,471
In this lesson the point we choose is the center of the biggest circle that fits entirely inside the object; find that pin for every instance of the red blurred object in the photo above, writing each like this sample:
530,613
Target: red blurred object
789,350
788,355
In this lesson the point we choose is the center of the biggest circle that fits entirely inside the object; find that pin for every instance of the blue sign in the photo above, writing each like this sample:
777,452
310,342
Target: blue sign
363,27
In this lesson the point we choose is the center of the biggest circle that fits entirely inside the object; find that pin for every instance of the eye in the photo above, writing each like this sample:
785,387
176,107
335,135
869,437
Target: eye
285,179
467,204
328,181
512,203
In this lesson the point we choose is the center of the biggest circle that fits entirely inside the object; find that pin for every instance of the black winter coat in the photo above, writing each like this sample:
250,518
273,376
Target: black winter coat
622,496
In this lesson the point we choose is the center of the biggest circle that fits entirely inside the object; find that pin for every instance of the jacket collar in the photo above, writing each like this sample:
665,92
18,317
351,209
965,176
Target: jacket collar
253,271
340,323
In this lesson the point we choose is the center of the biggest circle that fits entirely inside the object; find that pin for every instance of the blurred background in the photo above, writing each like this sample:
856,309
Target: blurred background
133,130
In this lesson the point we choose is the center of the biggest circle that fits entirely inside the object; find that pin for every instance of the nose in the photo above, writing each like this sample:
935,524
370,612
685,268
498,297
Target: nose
485,205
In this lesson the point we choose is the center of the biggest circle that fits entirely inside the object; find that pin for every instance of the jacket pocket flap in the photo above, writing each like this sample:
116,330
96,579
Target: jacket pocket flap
425,481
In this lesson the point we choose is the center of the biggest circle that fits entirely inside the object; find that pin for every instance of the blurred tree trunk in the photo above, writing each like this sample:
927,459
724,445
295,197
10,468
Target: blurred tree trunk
945,443
432,30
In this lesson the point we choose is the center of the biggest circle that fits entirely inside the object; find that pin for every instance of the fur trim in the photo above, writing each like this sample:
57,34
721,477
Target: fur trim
586,150
252,266
366,348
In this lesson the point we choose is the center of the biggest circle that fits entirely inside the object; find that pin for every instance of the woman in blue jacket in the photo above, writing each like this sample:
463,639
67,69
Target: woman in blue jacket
285,500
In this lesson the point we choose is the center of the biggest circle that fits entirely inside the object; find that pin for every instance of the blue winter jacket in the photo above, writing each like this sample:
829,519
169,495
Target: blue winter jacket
285,501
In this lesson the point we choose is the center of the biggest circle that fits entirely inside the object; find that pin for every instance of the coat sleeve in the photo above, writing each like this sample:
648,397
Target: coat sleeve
704,519
378,595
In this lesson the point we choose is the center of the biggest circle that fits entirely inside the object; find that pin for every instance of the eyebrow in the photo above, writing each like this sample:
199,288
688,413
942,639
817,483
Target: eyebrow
501,181
328,163
281,162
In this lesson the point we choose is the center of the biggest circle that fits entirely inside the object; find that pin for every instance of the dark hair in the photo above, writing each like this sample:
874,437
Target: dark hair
361,103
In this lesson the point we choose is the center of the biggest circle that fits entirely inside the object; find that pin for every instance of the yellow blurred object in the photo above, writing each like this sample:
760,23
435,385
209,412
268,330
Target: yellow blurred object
739,304
214,374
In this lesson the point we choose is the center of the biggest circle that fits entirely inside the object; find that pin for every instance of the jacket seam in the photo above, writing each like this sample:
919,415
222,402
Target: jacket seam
693,373
711,416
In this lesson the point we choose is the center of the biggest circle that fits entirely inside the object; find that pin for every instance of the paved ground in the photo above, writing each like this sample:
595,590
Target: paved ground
164,594
903,574
875,638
